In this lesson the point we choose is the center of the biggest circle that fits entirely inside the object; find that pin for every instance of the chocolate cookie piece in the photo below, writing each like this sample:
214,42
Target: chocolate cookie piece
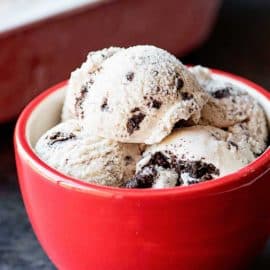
179,83
154,104
197,169
128,160
136,109
104,106
186,95
143,179
146,177
130,76
232,144
133,123
79,101
60,137
159,159
222,93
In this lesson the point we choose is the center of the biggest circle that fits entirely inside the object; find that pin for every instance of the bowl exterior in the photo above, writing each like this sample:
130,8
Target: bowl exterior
88,230
42,60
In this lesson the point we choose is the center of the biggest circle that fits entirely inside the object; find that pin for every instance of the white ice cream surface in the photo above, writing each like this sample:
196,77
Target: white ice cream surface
80,82
190,155
139,94
139,118
70,149
232,108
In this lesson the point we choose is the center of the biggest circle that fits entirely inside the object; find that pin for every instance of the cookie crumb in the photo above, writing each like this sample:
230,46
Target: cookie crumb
60,137
198,170
133,123
159,159
104,106
79,101
128,160
222,93
231,143
179,83
154,104
136,109
143,179
130,76
186,95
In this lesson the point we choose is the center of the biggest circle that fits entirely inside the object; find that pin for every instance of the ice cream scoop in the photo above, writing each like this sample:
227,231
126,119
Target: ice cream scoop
190,155
231,107
70,149
254,131
139,94
81,79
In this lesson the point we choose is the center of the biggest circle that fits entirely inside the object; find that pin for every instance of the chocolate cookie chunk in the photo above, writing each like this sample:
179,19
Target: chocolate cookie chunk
197,169
186,96
144,179
159,159
79,101
222,93
179,83
154,104
104,106
133,123
130,76
60,137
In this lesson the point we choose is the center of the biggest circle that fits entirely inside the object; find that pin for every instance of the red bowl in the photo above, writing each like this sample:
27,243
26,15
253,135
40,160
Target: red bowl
220,224
43,53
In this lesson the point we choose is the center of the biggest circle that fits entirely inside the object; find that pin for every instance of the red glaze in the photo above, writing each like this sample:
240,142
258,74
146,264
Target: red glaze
219,224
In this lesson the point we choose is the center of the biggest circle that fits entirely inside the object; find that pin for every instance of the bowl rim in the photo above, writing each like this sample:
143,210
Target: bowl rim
243,177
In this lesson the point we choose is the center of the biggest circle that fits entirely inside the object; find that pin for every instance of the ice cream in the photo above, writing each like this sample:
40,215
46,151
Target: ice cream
70,149
139,94
232,108
139,118
81,80
190,155
254,131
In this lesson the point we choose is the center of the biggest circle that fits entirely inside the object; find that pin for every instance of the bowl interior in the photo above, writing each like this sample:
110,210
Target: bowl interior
47,113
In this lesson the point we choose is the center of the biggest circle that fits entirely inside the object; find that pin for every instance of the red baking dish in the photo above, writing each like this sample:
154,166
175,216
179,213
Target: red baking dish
41,53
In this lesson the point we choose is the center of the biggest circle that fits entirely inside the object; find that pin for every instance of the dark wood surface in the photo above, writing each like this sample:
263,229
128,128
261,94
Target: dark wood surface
240,43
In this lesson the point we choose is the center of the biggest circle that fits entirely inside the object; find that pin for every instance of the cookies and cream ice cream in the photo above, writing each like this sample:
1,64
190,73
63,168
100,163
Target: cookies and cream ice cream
81,80
232,108
139,118
190,155
72,150
138,94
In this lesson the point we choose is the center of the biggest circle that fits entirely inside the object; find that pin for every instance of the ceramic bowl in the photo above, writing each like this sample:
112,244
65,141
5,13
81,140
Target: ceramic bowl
219,224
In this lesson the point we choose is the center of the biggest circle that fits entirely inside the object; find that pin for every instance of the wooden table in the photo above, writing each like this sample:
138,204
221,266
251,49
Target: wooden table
240,43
